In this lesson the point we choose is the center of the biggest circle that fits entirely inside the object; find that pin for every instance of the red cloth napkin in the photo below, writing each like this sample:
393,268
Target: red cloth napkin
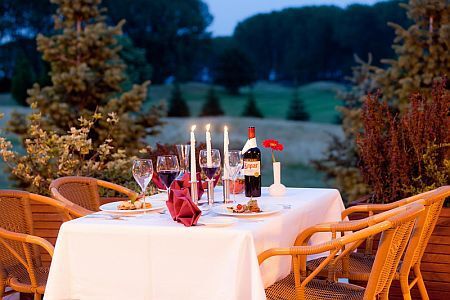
157,181
181,207
185,182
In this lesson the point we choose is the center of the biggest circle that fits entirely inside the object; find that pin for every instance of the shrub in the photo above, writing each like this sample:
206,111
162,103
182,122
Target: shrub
251,109
408,153
49,154
212,106
177,104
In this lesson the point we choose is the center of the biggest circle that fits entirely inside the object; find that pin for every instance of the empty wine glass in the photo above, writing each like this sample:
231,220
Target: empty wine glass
235,162
142,172
210,164
183,159
168,168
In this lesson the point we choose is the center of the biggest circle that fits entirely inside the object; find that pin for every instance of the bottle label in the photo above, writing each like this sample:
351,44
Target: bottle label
252,168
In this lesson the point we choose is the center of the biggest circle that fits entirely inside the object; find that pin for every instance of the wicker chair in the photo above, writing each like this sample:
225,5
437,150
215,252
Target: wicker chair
396,232
21,267
357,266
84,191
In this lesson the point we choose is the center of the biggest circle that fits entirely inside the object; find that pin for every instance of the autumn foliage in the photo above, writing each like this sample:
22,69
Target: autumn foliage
407,153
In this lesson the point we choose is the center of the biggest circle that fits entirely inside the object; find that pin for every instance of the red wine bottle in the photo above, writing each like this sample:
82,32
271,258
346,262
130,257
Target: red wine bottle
252,166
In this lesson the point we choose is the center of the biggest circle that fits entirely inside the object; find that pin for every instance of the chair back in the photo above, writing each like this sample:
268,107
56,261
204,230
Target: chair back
424,228
17,259
82,191
392,245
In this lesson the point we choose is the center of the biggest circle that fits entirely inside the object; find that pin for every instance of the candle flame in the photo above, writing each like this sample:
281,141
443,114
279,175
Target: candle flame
193,127
208,126
226,128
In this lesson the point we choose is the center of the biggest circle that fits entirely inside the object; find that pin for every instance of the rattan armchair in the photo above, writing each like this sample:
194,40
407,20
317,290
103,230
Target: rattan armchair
357,266
84,191
396,231
21,267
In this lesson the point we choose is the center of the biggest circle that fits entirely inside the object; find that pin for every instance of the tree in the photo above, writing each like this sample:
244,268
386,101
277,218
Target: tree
173,33
87,74
212,106
22,79
234,70
422,51
297,110
177,104
251,109
138,69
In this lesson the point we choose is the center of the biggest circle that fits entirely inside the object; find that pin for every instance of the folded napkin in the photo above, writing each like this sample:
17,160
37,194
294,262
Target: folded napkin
185,182
181,207
157,181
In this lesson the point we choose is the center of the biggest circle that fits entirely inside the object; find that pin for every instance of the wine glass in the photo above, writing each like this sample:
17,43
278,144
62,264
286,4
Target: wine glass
183,159
168,168
210,164
142,172
235,162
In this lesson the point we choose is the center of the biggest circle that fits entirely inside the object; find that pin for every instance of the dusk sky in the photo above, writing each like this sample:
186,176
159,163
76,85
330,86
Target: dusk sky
227,13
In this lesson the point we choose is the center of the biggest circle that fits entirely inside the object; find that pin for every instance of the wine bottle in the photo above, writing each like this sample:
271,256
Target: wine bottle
252,166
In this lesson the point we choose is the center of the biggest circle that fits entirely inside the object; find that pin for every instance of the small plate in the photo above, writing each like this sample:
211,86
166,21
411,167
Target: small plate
266,209
217,221
112,208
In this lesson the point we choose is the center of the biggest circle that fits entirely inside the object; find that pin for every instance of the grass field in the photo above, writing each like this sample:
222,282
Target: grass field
272,99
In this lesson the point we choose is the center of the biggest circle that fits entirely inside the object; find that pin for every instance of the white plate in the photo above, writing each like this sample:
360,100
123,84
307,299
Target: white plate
217,221
157,197
267,209
112,208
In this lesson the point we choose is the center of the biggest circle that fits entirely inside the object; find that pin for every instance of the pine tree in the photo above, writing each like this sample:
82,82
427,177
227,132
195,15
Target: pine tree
177,104
212,106
251,109
87,74
22,79
422,49
297,110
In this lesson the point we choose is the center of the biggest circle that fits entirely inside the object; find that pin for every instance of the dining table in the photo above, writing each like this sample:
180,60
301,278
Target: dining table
153,257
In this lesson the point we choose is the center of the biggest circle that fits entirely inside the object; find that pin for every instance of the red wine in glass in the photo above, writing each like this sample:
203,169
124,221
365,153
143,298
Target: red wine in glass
210,171
167,177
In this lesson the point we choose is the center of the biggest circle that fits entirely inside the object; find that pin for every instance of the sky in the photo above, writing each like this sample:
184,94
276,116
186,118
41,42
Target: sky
227,13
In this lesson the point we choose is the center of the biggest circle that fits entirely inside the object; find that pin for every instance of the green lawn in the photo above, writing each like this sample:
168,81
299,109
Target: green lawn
273,99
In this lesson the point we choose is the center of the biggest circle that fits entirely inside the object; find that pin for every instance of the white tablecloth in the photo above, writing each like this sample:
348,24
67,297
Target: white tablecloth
156,258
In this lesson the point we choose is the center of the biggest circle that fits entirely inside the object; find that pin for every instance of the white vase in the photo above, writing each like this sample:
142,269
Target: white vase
277,189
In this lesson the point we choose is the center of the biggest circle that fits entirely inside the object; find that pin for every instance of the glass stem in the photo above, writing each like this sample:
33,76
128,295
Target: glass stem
210,192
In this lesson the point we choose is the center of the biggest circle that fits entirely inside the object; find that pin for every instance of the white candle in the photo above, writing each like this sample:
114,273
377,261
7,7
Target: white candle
226,142
208,147
193,162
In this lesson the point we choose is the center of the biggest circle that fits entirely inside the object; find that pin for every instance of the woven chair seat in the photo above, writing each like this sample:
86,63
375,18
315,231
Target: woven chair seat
21,275
315,290
360,266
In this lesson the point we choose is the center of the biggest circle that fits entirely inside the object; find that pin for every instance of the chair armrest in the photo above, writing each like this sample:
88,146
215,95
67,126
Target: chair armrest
369,208
116,187
66,207
296,250
27,238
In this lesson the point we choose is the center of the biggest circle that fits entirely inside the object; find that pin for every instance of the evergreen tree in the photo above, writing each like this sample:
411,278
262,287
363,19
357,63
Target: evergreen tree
22,79
422,49
87,75
177,104
212,106
251,110
297,110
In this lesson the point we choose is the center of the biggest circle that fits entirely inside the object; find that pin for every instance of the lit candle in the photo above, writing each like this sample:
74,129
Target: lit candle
193,162
208,147
226,142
